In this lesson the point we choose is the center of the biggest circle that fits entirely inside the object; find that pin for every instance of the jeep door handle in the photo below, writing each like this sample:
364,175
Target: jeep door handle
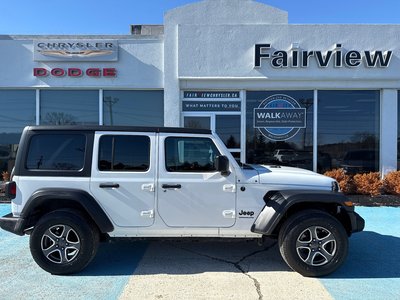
171,186
109,185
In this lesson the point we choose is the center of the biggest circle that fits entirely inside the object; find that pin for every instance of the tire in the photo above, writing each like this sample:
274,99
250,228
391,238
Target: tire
63,242
313,243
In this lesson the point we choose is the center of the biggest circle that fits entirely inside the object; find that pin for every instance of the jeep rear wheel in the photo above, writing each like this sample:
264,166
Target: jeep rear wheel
313,243
63,242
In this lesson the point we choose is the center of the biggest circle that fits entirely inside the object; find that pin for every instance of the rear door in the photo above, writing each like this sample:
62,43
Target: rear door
191,193
123,177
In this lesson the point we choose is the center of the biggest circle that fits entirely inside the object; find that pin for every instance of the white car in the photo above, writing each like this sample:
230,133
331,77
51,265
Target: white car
73,185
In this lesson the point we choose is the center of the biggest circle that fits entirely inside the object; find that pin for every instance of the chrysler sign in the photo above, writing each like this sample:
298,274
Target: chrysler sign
75,50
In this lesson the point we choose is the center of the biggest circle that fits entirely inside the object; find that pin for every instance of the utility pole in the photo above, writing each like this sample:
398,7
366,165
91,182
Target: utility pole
110,102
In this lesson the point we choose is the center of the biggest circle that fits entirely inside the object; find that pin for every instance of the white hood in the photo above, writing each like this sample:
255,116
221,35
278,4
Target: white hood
281,177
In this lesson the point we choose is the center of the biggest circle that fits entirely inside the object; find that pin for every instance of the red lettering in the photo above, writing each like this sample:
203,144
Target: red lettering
109,72
74,72
40,72
58,72
93,72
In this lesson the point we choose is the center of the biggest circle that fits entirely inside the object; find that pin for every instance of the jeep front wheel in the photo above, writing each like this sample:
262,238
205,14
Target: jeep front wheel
313,243
63,242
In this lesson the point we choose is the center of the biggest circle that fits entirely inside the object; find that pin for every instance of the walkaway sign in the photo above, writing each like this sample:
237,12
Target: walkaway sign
279,117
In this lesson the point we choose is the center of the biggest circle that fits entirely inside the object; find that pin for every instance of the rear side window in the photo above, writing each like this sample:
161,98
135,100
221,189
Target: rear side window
56,152
124,153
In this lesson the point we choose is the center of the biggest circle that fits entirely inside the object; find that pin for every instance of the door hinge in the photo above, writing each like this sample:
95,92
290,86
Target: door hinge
147,214
230,188
148,187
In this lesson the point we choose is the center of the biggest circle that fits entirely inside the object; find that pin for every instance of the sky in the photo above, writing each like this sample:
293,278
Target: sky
116,16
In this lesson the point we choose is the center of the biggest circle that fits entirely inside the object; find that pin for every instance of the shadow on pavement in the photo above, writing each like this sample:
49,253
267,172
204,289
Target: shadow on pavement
184,257
371,255
120,257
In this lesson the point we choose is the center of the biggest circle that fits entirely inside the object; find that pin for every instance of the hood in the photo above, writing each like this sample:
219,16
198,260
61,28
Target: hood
281,177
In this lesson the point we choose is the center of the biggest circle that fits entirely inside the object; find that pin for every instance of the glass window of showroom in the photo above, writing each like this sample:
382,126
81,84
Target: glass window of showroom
18,109
279,129
72,107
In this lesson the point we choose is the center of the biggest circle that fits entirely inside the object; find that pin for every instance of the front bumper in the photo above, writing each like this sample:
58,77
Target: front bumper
12,224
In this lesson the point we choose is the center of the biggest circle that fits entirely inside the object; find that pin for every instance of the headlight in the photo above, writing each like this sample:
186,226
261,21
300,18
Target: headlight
335,186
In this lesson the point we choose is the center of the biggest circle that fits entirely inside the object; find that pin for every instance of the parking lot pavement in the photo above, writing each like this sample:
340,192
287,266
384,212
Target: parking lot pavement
218,270
210,269
372,269
104,278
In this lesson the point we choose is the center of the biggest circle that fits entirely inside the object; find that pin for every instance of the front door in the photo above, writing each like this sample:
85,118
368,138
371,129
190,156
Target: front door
191,193
123,177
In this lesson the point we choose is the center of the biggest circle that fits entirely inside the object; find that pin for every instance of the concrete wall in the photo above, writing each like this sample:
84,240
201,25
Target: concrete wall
140,64
212,13
228,50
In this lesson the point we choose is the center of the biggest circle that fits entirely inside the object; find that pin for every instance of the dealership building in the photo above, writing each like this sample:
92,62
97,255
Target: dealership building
313,96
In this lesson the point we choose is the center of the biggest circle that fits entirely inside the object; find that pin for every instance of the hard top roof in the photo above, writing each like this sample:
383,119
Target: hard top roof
117,128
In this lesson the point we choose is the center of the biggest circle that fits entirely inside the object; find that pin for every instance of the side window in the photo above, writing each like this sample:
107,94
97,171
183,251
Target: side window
56,152
124,153
190,154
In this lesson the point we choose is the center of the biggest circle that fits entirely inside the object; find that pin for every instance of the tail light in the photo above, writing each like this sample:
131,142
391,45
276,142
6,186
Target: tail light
11,189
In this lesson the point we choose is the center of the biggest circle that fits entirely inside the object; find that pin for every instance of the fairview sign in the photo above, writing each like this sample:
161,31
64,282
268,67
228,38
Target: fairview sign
337,57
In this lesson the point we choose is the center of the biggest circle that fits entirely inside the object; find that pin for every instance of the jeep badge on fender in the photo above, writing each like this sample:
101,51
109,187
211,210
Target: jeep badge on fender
248,214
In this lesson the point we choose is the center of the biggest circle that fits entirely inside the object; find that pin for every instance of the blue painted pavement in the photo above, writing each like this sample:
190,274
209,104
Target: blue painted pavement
104,278
372,269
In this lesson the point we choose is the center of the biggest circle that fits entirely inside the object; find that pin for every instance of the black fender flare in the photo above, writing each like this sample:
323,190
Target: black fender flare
279,202
67,198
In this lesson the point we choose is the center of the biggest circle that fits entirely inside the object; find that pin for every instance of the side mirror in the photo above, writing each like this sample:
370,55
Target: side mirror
222,165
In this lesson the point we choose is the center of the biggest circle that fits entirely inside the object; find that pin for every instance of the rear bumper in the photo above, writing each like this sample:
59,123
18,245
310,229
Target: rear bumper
12,224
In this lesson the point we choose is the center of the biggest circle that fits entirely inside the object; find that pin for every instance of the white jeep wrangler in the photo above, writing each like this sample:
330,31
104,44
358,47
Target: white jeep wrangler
73,185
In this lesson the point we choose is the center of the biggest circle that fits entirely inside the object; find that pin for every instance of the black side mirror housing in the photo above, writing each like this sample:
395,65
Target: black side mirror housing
222,165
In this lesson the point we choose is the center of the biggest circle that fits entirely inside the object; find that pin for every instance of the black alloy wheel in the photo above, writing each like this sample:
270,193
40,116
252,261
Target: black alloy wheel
313,243
64,242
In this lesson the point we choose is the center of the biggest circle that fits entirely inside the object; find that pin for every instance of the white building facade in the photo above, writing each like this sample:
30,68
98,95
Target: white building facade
313,96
